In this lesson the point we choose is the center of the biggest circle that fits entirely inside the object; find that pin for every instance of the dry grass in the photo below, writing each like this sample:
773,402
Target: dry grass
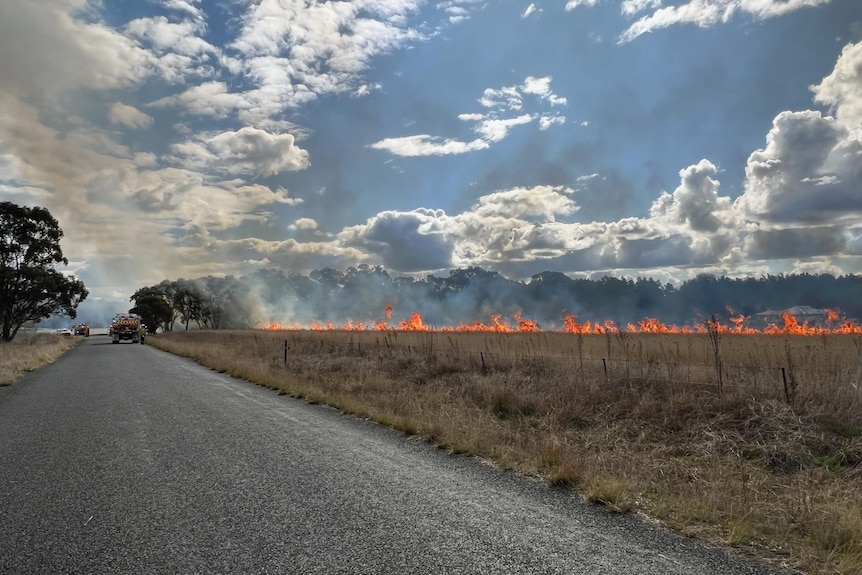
769,462
28,352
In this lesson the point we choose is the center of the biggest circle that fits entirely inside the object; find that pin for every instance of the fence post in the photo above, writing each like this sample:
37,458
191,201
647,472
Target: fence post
786,390
285,352
605,367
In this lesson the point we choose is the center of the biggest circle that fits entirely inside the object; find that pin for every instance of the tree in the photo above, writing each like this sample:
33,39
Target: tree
151,305
30,288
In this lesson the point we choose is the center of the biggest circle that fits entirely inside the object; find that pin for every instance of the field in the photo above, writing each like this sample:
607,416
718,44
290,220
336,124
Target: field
750,441
29,351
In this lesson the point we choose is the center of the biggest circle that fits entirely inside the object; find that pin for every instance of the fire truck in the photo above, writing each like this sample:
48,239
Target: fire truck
127,327
82,329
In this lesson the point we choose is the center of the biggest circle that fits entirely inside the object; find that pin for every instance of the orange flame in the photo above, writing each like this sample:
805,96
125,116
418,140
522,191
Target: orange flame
834,324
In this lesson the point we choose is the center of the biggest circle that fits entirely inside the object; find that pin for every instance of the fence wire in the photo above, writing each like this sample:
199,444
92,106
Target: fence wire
782,378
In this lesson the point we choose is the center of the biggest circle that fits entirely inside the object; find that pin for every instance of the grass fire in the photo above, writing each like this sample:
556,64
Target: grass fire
834,323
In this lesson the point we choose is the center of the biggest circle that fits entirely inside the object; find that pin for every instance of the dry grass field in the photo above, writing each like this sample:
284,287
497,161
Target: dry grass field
752,441
30,351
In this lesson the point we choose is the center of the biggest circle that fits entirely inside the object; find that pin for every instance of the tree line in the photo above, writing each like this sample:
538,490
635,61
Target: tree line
474,294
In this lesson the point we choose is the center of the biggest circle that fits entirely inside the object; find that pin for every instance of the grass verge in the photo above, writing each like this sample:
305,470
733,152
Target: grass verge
28,352
768,462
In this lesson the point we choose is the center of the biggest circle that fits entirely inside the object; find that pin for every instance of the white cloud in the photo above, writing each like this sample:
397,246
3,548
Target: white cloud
186,6
706,13
530,10
296,51
695,202
546,201
425,145
542,87
366,89
493,126
509,98
538,86
163,35
208,99
546,122
809,171
632,7
495,130
304,224
245,151
128,116
842,88
572,4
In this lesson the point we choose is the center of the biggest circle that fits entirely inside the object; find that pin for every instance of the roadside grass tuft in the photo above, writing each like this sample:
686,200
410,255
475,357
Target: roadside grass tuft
610,492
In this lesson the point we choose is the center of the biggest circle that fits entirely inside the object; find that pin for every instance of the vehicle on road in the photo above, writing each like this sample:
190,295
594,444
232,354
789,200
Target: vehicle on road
127,327
81,329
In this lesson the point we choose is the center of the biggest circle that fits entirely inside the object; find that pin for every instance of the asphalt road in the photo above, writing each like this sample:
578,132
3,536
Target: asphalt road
125,459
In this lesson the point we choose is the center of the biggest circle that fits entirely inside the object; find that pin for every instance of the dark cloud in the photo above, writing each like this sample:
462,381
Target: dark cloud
397,240
795,243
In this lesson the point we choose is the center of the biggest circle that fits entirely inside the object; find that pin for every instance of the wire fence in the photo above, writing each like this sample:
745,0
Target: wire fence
785,374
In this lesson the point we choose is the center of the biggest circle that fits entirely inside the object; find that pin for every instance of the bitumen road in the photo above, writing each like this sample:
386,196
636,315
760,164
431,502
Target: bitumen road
126,459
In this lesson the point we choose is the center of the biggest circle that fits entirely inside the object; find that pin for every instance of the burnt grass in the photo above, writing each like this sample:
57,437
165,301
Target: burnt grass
754,443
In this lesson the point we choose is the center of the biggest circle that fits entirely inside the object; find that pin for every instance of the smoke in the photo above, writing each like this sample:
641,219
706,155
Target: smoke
52,58
468,295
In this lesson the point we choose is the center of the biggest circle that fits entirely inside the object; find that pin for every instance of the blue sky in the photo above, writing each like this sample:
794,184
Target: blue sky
663,138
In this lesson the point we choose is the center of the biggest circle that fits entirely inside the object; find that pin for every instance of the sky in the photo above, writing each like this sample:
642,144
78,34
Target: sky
655,138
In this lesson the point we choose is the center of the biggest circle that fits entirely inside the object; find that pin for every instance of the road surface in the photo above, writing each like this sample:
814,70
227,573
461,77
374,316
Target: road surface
126,459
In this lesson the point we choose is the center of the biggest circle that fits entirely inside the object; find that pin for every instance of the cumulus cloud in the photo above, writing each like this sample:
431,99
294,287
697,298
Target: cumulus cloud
809,172
841,90
304,224
128,116
245,151
695,203
546,201
409,241
208,98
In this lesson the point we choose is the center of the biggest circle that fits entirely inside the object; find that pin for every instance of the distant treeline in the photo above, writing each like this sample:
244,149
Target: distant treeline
474,294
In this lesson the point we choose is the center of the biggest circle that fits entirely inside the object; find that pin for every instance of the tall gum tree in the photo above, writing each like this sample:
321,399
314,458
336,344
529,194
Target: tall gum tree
31,289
